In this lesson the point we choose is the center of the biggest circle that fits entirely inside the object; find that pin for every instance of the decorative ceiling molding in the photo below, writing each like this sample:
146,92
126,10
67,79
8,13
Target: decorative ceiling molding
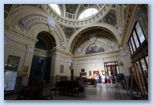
116,52
78,23
78,33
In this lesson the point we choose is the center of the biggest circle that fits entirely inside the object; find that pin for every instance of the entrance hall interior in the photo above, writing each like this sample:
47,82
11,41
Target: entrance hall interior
48,48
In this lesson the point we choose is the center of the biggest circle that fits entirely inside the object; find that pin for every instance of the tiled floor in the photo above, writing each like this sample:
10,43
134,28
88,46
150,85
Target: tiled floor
101,92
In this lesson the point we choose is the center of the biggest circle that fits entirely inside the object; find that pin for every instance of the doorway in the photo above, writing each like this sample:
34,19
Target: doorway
40,73
111,68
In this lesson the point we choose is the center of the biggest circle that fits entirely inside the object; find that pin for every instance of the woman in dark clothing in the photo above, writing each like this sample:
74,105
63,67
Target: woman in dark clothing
100,79
81,86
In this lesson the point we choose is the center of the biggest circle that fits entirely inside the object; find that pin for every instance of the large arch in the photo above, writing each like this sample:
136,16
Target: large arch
36,29
21,12
37,26
104,25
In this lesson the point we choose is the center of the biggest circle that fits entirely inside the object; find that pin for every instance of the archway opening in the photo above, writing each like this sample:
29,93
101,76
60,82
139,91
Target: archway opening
42,59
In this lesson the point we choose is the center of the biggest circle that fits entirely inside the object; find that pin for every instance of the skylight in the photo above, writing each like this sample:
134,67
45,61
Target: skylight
56,8
87,13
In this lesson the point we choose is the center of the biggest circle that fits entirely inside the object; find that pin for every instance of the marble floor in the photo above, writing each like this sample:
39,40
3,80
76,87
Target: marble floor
103,91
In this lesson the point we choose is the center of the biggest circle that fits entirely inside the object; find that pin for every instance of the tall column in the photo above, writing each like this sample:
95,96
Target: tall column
53,68
27,64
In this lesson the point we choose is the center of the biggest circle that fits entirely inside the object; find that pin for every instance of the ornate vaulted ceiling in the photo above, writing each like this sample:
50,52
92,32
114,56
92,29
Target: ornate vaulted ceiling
70,31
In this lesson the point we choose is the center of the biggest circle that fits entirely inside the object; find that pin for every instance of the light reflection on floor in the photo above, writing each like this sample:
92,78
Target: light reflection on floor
107,91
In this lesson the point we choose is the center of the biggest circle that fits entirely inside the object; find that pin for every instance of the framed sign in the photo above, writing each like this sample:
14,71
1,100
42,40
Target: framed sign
12,63
25,70
82,70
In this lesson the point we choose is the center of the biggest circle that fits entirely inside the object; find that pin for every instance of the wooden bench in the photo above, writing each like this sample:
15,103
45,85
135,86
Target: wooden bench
66,87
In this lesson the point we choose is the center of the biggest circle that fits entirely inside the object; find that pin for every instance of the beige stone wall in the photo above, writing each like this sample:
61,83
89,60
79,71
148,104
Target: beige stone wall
127,63
79,63
19,40
15,49
18,49
58,60
95,64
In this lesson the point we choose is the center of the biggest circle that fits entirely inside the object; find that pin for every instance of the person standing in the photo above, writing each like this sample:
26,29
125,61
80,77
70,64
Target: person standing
81,86
100,79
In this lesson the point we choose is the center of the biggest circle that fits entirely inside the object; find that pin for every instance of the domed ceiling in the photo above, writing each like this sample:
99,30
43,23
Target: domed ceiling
68,24
72,11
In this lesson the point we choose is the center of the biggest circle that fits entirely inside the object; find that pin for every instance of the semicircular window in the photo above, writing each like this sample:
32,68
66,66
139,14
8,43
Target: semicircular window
41,45
87,13
95,48
56,8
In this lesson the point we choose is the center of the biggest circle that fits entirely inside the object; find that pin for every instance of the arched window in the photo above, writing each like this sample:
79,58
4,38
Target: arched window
88,12
56,8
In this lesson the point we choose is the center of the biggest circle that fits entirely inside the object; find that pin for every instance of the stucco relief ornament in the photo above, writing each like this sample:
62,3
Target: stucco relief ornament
30,48
51,21
123,53
111,44
18,27
24,22
63,45
126,46
120,30
79,50
119,58
89,60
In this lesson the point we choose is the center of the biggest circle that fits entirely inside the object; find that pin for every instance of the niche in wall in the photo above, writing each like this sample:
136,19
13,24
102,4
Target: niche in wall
61,68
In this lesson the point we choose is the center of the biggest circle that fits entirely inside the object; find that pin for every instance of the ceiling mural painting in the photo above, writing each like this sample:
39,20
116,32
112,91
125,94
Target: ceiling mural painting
111,18
95,48
68,27
68,32
71,8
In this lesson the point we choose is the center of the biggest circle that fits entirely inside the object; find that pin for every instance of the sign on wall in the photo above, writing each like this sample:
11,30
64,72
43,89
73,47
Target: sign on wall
12,63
